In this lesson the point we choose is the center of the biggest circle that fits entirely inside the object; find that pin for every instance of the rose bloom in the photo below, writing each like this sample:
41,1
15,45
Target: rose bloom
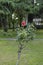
23,23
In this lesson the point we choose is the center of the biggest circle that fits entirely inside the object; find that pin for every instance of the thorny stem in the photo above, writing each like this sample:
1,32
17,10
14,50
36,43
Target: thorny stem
19,53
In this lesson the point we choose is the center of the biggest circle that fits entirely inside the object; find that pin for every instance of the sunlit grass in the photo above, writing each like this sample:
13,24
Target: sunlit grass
32,54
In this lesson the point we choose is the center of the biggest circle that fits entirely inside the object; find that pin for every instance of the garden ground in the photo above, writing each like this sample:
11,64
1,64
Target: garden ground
32,54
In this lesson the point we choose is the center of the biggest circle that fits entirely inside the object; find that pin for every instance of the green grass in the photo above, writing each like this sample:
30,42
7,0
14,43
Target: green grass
9,34
39,33
31,55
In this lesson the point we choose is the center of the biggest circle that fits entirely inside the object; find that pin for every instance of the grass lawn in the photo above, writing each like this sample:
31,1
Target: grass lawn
31,55
9,34
39,33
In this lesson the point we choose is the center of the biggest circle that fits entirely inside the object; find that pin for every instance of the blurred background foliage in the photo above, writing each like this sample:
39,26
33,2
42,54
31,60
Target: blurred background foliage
19,8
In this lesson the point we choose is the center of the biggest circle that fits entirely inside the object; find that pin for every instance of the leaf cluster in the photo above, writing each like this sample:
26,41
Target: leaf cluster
26,34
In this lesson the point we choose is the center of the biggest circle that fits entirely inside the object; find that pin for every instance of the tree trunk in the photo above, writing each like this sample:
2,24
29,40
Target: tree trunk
13,26
5,23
